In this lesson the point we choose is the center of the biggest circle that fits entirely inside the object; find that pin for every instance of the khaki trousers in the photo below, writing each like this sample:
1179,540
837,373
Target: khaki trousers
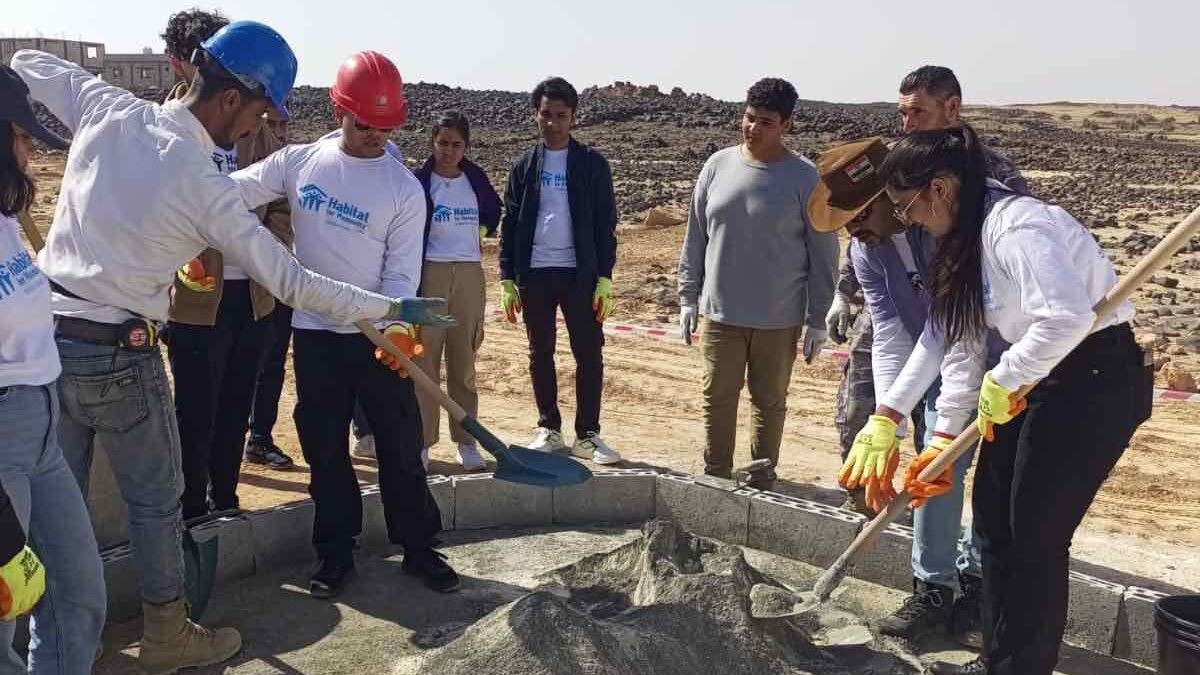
462,285
734,355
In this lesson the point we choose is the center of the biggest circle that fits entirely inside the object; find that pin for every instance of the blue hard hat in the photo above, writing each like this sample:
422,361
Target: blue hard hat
258,57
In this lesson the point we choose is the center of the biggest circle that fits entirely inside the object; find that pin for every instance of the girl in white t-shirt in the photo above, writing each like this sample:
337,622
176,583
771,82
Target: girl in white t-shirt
463,209
41,488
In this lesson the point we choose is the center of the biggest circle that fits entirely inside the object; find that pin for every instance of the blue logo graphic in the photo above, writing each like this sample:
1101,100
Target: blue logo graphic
442,214
18,270
312,197
554,180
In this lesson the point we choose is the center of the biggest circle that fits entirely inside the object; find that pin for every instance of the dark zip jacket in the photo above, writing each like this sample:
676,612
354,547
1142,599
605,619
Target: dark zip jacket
593,213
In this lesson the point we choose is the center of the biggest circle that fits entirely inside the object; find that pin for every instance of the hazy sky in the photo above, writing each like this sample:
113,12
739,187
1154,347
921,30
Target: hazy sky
849,50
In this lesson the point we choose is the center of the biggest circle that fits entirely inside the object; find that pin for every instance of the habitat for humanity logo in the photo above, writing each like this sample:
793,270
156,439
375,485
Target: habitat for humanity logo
442,214
343,214
18,270
555,180
459,214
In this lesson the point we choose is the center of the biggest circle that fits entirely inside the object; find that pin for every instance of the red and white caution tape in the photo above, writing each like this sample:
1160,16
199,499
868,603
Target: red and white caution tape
671,333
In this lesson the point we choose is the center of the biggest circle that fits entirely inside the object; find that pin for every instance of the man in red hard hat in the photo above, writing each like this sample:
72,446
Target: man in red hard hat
359,217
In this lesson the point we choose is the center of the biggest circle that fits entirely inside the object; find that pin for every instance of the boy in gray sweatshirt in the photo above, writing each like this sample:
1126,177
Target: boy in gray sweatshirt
757,271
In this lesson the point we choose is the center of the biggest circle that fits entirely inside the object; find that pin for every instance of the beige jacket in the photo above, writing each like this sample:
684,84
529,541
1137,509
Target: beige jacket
199,308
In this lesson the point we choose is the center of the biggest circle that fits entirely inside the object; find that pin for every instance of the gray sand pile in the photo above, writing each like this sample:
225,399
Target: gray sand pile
666,604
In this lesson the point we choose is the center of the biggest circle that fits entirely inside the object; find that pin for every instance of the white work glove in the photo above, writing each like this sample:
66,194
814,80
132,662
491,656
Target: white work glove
689,318
837,321
814,339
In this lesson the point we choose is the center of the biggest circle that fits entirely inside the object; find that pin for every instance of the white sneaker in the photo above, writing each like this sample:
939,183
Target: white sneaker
548,440
425,458
365,447
469,457
593,448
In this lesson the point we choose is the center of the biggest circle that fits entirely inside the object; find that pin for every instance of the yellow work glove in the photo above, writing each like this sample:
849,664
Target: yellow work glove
195,277
997,405
405,336
22,582
602,299
510,299
872,462
482,233
919,489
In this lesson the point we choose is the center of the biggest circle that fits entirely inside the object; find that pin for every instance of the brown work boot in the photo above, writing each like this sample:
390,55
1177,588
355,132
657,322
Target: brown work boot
170,641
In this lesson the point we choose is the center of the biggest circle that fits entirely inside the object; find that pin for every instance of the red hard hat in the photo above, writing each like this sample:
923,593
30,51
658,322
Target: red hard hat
369,86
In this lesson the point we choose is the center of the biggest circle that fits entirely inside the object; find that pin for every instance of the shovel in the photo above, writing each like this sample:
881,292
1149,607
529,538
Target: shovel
513,463
768,602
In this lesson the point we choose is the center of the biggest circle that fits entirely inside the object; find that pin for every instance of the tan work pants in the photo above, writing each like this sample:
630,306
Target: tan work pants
462,285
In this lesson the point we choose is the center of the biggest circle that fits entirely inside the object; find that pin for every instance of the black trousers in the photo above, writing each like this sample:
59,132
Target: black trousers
543,292
1034,484
268,386
332,371
214,369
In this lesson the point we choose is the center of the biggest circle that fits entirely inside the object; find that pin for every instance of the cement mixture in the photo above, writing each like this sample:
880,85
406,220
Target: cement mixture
667,603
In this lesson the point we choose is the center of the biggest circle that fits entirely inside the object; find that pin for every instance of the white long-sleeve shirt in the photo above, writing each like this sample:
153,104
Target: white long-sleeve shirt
1042,275
28,354
357,220
141,196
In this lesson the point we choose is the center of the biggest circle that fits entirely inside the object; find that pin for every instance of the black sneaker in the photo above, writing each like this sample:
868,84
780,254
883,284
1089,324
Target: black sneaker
431,566
976,667
258,452
856,501
925,611
966,618
331,577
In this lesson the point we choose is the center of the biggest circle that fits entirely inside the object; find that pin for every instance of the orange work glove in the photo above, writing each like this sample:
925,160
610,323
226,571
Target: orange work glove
919,489
405,336
194,276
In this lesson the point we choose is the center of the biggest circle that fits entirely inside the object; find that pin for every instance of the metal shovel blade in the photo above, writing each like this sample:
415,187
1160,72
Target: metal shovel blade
772,602
530,467
200,572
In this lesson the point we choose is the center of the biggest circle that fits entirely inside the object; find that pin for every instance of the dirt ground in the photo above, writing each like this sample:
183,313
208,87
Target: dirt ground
1146,520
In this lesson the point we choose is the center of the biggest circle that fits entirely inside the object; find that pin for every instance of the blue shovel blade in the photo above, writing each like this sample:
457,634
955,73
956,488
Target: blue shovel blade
530,467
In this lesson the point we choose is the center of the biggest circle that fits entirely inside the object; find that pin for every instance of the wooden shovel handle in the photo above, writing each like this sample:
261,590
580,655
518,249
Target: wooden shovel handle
423,380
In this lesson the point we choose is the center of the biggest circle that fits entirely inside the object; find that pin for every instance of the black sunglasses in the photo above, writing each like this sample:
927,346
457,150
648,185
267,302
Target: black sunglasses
367,127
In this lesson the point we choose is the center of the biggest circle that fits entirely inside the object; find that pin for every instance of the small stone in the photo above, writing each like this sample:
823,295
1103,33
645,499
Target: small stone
1178,379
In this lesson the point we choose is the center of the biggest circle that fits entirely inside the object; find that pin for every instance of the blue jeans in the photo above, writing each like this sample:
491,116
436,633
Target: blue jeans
941,549
122,401
66,624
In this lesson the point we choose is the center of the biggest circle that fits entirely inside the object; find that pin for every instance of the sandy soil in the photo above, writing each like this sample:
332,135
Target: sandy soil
1146,520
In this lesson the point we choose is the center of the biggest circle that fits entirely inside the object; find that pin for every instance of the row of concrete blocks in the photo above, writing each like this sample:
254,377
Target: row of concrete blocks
1104,617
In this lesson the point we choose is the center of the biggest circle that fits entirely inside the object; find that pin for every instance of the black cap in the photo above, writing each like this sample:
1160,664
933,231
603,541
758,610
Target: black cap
17,107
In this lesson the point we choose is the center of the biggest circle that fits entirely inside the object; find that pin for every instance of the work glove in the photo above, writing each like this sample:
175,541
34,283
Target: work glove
997,405
405,336
420,311
689,318
510,299
837,321
195,277
814,340
872,462
602,299
482,233
22,582
919,489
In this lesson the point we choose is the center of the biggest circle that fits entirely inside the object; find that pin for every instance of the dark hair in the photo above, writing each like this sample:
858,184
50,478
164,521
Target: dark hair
938,81
453,120
555,88
187,29
957,270
16,187
775,94
212,79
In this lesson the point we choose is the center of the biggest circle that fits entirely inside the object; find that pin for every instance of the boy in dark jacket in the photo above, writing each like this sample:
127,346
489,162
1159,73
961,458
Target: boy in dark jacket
558,246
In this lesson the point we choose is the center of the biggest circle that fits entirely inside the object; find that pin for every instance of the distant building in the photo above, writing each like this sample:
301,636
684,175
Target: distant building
147,70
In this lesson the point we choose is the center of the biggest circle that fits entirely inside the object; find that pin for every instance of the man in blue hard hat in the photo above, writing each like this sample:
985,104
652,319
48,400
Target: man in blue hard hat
140,197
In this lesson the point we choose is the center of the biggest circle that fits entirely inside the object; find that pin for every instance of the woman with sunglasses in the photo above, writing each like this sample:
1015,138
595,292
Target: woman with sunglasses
42,492
464,208
1034,273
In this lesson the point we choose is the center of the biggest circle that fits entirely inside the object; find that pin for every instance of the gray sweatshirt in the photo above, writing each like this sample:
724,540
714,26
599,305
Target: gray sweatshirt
750,257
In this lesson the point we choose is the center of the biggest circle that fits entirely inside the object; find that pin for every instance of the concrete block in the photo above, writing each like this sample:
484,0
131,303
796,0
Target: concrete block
482,501
374,526
1137,638
702,510
1092,613
614,496
889,561
120,578
110,515
235,547
800,529
443,493
282,535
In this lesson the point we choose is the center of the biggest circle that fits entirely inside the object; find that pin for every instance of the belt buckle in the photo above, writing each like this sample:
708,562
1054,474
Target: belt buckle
138,335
